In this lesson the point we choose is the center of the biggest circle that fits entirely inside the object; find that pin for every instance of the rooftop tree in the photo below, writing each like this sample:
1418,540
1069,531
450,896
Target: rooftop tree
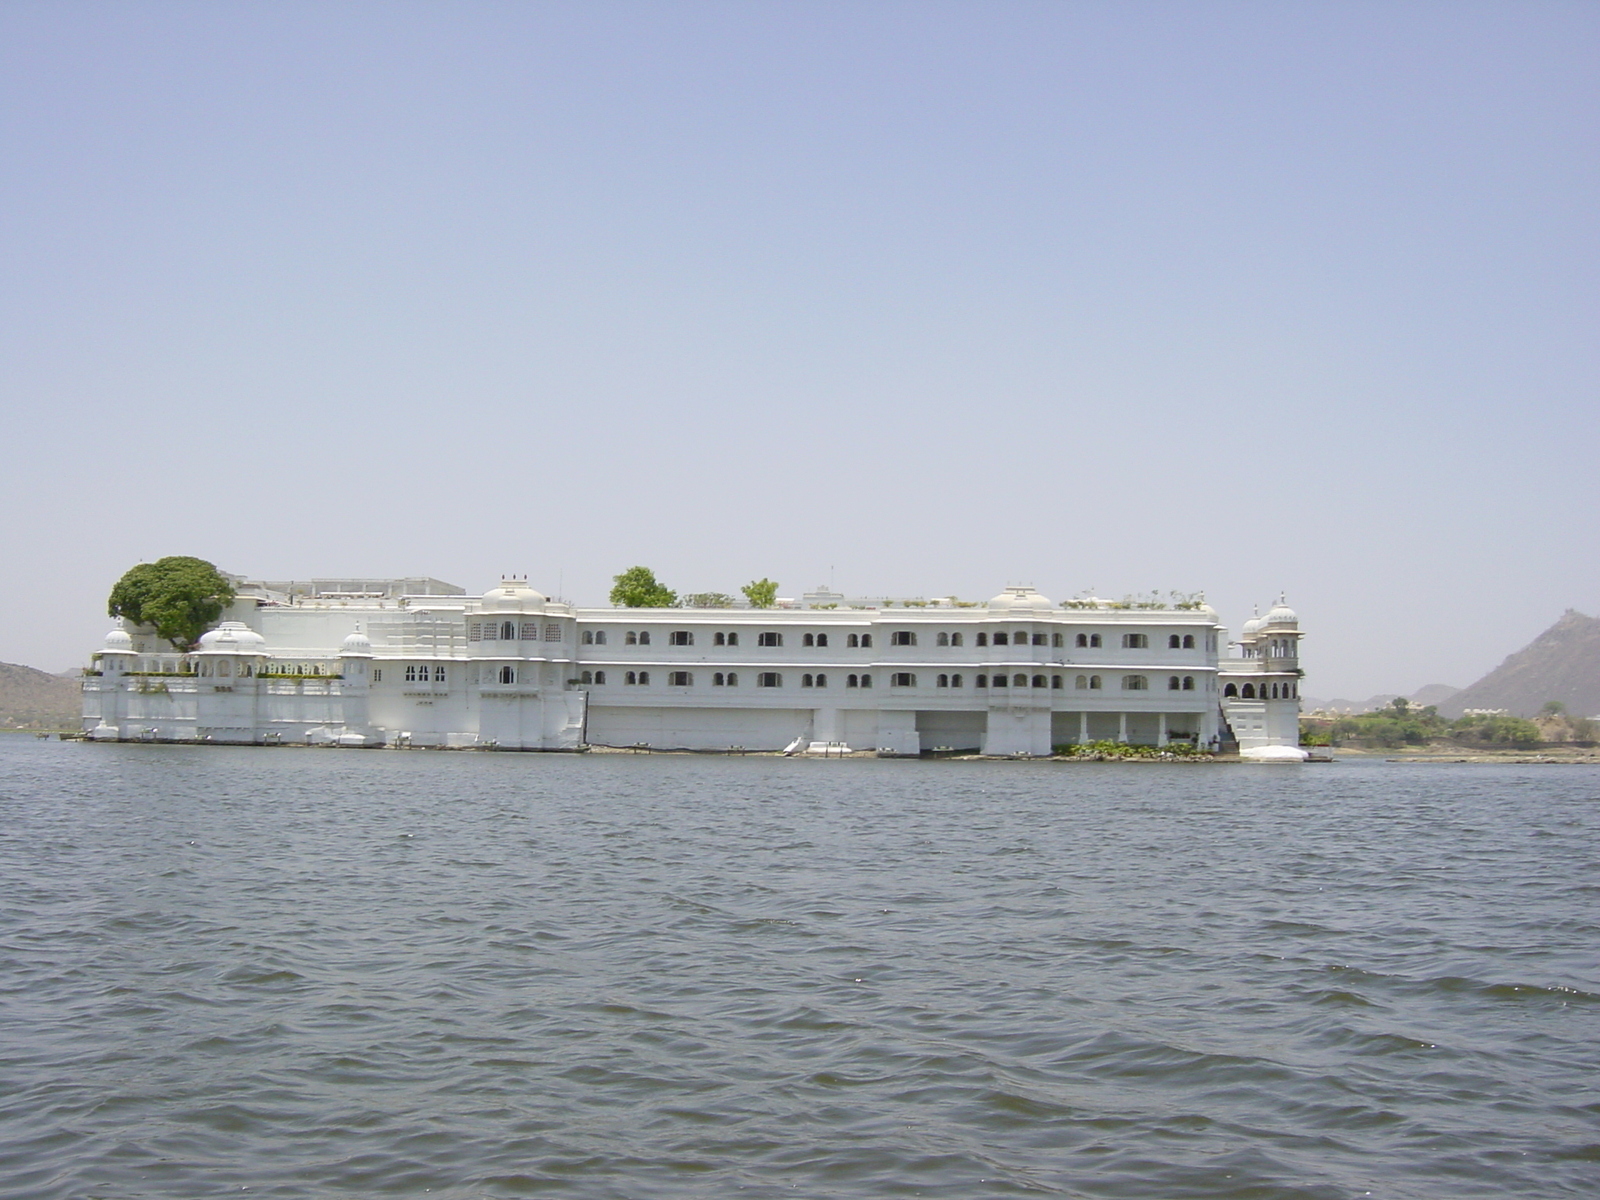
762,593
637,587
180,597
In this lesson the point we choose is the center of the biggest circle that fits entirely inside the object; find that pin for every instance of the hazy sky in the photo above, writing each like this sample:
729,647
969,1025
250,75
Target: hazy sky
922,298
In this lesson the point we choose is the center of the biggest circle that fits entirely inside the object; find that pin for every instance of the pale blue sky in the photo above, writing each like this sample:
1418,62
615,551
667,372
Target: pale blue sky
924,297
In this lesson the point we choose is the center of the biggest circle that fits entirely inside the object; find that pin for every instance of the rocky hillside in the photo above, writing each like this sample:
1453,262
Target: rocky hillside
31,699
1562,663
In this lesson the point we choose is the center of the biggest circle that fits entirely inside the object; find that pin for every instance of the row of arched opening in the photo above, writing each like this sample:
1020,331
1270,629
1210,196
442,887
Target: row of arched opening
1265,691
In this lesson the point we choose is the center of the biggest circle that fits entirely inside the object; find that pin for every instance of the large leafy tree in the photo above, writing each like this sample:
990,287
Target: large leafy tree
181,597
762,593
637,587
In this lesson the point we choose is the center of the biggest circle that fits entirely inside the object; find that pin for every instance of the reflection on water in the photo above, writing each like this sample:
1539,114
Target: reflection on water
347,974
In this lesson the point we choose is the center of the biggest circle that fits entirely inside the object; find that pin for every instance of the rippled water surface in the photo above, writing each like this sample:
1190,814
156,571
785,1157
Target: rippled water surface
334,973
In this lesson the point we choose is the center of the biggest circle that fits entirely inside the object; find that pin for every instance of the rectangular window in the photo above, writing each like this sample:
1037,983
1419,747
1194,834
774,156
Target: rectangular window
377,674
769,639
438,673
902,637
475,631
411,672
1135,641
903,679
491,631
679,679
530,631
769,679
681,637
552,632
1134,683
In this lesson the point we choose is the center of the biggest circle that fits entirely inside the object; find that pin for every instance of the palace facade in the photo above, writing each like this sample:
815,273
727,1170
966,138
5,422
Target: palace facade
417,662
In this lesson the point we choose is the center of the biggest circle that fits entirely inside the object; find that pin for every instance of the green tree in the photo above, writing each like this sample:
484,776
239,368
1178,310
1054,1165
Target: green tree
1553,708
180,597
762,593
706,600
637,587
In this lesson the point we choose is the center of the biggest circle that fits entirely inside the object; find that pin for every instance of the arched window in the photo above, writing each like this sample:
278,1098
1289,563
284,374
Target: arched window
955,639
982,681
586,677
733,679
1057,640
1019,681
1230,690
822,681
720,639
1188,683
631,639
1174,642
733,639
866,681
644,678
805,681
851,681
631,678
508,674
822,639
808,640
944,681
1039,681
716,680
866,644
1094,641
1094,682
955,681
508,631
1249,692
852,641
942,640
1188,641
1000,639
644,637
1081,682
599,677
1083,640
599,637
1172,683
983,639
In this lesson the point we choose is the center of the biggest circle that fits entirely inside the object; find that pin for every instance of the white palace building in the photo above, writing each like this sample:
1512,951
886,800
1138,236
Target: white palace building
416,662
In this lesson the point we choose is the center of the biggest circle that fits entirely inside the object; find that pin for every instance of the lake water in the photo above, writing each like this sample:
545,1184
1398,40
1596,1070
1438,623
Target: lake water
299,973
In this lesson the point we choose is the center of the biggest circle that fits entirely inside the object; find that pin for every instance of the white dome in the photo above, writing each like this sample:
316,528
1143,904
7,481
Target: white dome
233,637
513,595
1019,600
119,641
356,643
1251,628
1280,614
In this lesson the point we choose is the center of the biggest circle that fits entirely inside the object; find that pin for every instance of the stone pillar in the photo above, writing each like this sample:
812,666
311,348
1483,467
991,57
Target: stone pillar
1161,730
1122,727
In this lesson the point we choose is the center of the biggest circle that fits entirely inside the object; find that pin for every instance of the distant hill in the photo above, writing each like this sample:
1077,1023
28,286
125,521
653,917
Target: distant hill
32,699
1562,663
1434,693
